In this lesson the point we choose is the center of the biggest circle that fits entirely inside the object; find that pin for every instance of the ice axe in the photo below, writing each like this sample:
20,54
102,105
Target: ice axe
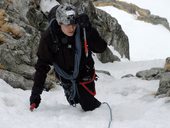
82,11
85,42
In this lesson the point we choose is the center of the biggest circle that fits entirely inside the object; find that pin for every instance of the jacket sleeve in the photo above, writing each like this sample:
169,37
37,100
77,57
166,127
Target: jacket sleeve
42,67
95,42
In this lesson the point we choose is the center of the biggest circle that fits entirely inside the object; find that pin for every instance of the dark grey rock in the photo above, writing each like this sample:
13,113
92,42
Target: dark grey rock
127,76
151,74
164,84
104,72
16,80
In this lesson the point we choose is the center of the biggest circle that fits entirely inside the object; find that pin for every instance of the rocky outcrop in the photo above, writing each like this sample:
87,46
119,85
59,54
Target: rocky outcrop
18,44
151,74
161,74
164,85
16,80
112,32
167,64
140,13
157,74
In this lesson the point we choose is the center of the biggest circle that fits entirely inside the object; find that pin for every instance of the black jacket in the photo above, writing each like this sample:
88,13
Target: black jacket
62,53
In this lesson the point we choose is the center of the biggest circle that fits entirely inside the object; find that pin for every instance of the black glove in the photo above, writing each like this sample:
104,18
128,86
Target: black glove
34,101
83,21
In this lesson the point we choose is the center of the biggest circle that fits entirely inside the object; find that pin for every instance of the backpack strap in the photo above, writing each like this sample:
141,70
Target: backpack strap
55,41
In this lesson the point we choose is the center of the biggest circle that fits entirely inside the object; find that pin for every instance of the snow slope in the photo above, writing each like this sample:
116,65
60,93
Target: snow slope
131,99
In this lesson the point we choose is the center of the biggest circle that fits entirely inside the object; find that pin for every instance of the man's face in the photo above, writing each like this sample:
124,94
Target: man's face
68,29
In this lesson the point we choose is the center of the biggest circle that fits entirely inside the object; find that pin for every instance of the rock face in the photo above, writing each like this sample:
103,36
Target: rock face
18,48
112,32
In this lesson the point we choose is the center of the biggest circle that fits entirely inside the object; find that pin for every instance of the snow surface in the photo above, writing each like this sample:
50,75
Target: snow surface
46,6
132,100
147,41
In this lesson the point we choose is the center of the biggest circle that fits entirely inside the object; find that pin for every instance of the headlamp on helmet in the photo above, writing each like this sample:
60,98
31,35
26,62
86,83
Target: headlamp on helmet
66,14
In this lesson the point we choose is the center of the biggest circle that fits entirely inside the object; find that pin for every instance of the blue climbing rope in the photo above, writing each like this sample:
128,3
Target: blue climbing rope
110,110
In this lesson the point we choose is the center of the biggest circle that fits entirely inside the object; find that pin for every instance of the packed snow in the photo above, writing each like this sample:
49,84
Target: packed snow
132,100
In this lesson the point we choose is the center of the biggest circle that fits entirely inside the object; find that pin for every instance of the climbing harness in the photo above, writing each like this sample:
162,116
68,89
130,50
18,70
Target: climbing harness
87,82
